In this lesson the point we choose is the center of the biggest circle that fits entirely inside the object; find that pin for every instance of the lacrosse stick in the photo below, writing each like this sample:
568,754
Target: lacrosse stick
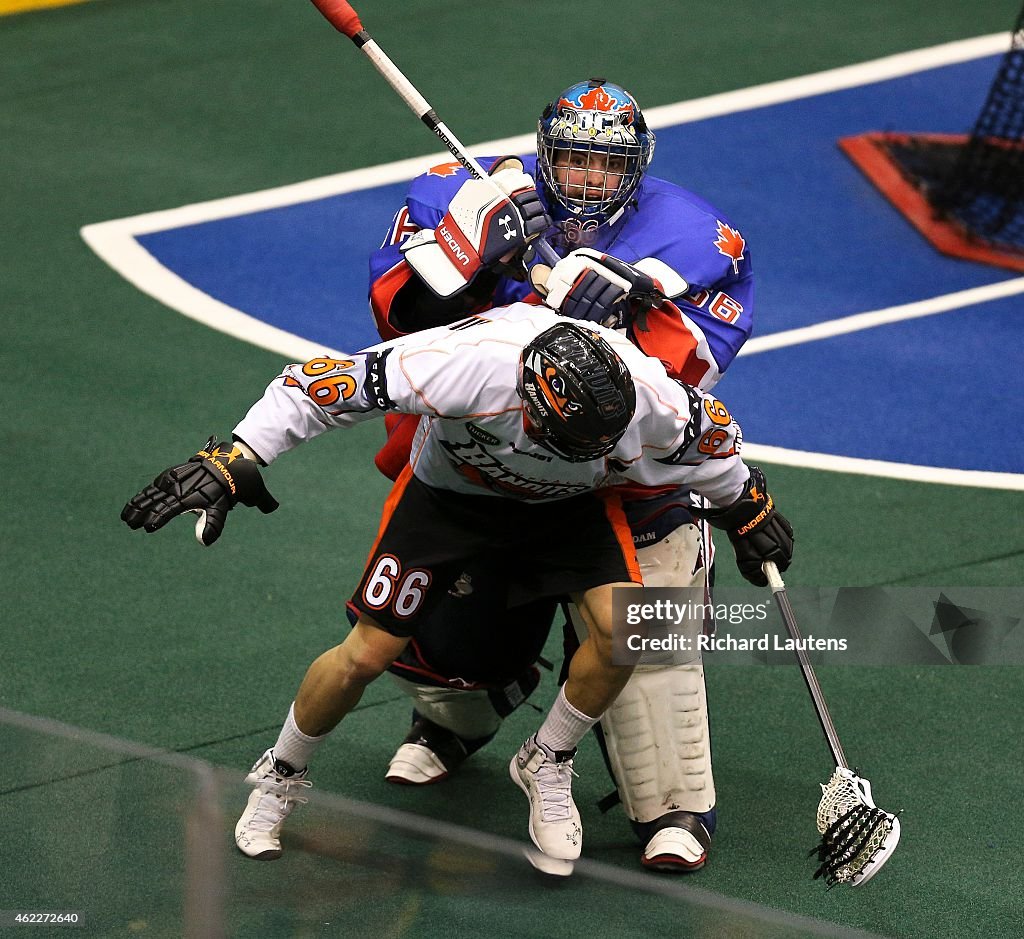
343,18
857,836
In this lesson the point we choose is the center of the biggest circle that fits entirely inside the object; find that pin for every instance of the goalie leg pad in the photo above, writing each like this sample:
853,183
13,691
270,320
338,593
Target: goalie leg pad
469,714
658,743
657,731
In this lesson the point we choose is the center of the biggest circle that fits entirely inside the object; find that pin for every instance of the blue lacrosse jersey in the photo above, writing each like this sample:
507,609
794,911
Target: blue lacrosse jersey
696,336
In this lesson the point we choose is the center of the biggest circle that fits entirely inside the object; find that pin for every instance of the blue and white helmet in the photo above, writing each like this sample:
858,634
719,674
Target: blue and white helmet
593,119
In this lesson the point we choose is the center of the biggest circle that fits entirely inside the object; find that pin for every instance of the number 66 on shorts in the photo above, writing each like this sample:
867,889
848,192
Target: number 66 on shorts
385,586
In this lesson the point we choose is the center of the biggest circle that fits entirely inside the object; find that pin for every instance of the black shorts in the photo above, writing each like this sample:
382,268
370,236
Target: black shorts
472,638
428,537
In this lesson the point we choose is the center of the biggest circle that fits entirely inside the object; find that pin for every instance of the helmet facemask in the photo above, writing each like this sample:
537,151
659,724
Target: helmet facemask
593,148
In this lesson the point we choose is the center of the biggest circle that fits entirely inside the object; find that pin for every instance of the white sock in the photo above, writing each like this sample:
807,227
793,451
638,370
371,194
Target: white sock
565,726
293,746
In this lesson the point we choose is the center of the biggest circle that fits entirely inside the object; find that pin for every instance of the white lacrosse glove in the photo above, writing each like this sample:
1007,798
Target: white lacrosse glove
489,220
588,285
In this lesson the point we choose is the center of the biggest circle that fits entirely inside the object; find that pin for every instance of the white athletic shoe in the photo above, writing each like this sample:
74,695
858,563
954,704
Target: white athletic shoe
415,765
555,828
674,850
270,803
427,755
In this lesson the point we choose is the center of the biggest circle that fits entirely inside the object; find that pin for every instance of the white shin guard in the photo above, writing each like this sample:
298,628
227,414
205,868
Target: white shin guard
656,731
658,742
469,714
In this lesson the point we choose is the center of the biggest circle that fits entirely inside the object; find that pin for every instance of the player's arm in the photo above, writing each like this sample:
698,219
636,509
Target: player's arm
643,298
646,298
705,457
695,331
699,334
402,303
302,403
451,262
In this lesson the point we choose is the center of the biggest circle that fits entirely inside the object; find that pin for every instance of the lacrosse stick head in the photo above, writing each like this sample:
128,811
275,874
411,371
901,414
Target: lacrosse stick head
857,837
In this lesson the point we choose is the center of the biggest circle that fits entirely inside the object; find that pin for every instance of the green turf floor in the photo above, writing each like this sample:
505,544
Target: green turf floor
118,107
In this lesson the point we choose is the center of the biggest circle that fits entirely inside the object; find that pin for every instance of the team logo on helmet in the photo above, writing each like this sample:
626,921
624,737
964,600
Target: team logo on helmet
577,394
593,148
597,109
600,110
552,386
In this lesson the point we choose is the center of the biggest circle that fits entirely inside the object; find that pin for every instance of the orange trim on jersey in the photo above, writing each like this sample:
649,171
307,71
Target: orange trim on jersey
623,534
382,295
666,338
390,504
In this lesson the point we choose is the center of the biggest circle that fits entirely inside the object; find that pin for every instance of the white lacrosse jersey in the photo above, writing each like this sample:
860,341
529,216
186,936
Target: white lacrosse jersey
462,379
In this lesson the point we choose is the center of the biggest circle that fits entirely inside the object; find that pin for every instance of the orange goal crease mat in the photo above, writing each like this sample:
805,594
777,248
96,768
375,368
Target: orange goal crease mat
872,154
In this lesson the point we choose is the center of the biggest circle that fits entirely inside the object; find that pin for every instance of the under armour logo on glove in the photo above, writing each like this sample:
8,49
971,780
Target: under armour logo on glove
487,223
510,230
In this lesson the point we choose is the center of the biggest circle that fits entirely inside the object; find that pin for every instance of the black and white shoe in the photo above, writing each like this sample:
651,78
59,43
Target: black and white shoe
429,754
676,843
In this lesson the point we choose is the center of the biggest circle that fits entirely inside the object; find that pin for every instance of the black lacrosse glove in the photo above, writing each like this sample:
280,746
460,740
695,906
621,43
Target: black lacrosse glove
757,531
213,482
588,285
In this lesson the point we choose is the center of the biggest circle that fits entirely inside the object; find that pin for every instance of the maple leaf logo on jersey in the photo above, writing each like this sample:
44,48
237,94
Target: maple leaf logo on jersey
730,243
445,169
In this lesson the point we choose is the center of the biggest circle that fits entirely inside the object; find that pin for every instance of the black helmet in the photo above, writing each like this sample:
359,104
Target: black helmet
577,393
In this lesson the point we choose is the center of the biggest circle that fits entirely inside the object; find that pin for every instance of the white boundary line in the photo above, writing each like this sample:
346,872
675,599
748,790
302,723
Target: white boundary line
944,303
909,472
115,242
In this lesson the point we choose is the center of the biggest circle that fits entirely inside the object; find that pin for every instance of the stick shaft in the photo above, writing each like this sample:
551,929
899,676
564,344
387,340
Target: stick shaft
344,18
416,102
778,589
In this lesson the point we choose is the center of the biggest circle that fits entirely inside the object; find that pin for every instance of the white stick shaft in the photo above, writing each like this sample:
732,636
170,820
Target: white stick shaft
418,104
778,588
771,571
422,109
